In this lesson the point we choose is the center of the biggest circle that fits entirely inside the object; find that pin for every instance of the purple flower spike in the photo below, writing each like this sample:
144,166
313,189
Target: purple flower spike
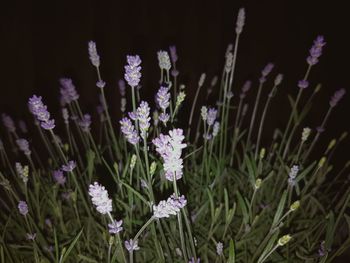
121,85
129,131
59,177
69,167
267,70
85,123
173,54
132,70
99,197
240,21
143,112
246,87
338,95
303,84
163,97
170,148
23,208
169,207
23,146
316,51
8,122
211,116
94,57
68,90
194,261
115,227
39,110
131,245
164,60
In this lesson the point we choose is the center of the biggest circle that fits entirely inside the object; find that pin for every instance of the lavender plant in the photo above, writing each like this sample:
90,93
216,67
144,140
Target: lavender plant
215,192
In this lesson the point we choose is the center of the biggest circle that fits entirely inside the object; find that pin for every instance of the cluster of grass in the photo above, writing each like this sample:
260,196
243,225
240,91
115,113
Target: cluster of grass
244,201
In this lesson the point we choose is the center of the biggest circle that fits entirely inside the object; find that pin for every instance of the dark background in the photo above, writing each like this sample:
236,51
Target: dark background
42,41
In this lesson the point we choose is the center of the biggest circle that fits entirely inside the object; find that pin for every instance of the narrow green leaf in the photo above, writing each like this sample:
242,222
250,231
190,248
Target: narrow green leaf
232,254
71,246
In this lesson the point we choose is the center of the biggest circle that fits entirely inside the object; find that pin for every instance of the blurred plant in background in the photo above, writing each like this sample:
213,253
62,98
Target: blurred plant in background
159,192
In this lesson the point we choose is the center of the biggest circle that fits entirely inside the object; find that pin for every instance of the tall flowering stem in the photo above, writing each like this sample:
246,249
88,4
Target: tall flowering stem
312,59
95,60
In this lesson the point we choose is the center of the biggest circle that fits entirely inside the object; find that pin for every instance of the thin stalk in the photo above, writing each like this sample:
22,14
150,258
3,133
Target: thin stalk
252,122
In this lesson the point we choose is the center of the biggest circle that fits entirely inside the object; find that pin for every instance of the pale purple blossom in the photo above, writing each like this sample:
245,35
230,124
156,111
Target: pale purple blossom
69,167
68,90
94,57
211,116
31,236
129,131
174,72
316,51
8,122
216,128
164,117
59,177
85,123
22,208
278,79
163,98
303,84
173,54
121,85
23,145
169,207
170,148
100,84
99,197
131,245
65,115
338,95
39,110
115,227
240,21
265,72
246,87
164,60
143,117
132,70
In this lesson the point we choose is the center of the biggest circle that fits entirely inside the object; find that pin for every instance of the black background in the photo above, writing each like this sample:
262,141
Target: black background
42,41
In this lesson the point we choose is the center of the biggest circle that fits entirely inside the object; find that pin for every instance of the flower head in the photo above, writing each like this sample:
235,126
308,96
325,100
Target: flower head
99,197
164,60
338,95
59,177
39,110
94,57
211,116
121,85
131,245
23,208
316,51
8,122
246,87
173,54
170,148
132,70
240,21
23,146
303,84
169,207
85,123
129,131
115,227
143,112
69,167
68,91
163,98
